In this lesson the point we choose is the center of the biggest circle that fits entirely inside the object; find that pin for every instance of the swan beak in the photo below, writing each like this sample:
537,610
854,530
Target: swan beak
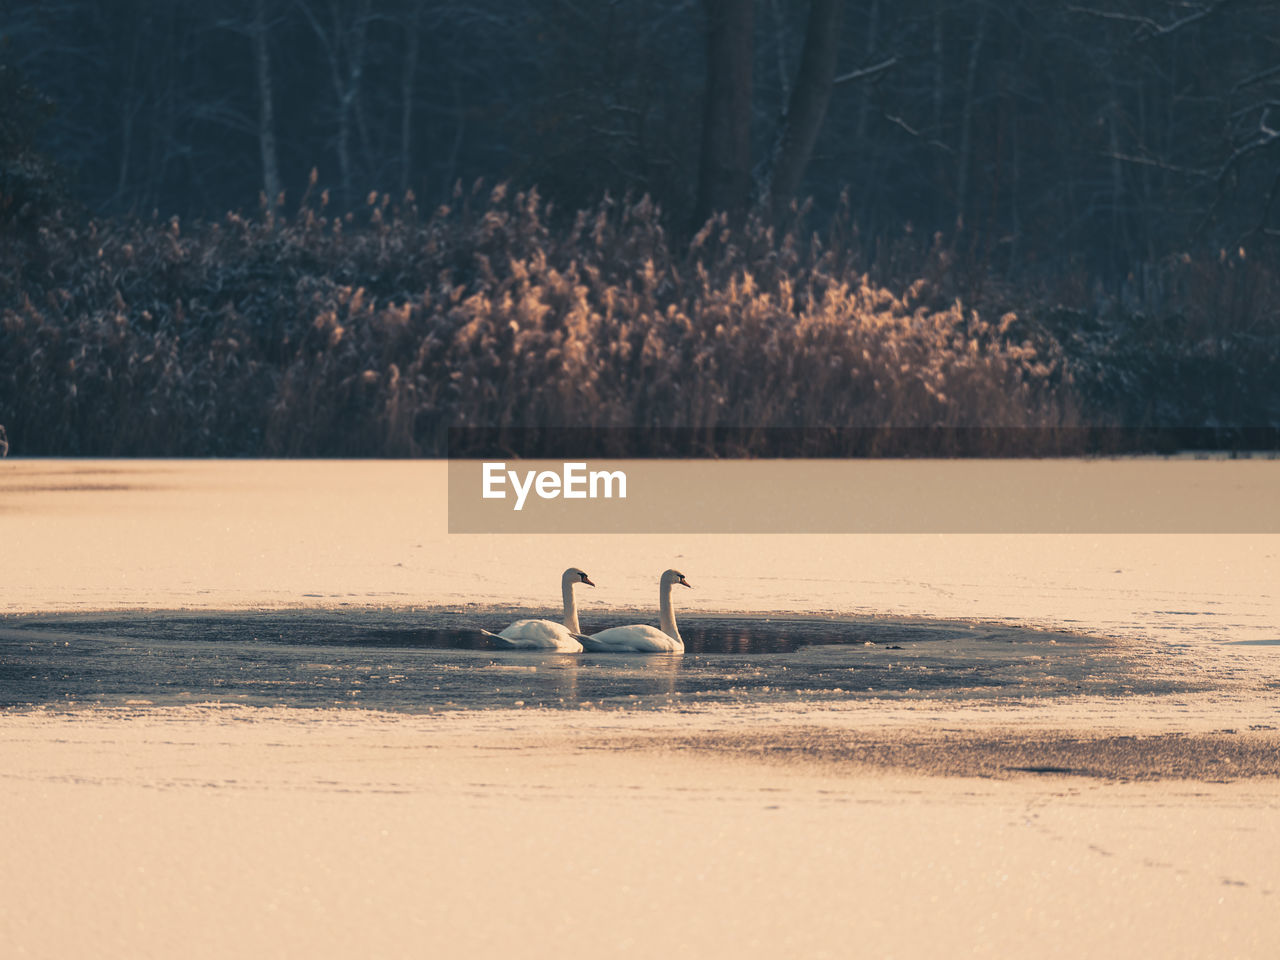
587,580
685,583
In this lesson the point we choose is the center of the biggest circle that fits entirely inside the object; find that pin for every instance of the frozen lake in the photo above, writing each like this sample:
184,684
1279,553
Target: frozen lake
246,708
421,663
318,583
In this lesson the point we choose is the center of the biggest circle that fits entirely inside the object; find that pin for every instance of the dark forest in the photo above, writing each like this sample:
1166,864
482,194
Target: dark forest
298,227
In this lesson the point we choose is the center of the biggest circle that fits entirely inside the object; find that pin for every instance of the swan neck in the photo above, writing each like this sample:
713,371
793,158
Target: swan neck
668,621
570,607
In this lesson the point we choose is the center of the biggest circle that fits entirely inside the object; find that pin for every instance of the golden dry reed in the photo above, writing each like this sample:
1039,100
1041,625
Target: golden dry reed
371,333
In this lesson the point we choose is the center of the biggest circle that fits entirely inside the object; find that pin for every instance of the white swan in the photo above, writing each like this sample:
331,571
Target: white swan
547,634
640,637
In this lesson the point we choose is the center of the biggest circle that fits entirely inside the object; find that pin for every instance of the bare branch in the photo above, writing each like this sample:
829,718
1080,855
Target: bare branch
1158,31
864,72
1158,164
1143,22
1148,28
1256,78
899,122
1265,138
1263,105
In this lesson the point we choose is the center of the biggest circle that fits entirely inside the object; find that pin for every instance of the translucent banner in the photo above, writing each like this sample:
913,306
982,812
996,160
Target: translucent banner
1134,495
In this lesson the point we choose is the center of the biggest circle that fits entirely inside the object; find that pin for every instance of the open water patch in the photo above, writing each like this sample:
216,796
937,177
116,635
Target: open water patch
420,661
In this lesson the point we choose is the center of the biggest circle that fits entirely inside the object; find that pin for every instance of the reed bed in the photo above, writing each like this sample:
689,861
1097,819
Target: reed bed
373,333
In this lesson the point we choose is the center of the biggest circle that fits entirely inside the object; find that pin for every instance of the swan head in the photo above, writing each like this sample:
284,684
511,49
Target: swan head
675,576
574,575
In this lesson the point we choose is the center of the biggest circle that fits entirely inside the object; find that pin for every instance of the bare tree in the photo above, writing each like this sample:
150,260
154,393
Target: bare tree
342,41
724,174
872,37
799,127
965,152
408,72
130,107
258,33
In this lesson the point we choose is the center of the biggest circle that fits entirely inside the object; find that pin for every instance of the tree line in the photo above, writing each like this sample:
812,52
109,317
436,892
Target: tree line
1035,136
313,227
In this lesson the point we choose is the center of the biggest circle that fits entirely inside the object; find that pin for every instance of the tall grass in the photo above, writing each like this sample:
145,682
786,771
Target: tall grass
372,334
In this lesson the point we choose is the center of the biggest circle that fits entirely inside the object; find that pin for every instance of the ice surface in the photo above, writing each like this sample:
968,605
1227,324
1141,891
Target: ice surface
113,535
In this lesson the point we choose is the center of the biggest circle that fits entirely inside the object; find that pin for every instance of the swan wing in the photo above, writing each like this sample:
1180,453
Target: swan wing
635,638
539,635
591,645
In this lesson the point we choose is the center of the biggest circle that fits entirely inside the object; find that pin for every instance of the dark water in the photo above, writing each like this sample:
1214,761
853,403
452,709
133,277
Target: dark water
412,661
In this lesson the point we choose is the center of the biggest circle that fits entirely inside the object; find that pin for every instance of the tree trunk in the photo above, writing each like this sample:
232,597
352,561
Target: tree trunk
344,48
131,104
406,97
344,149
799,127
941,175
966,121
266,110
780,42
864,105
724,175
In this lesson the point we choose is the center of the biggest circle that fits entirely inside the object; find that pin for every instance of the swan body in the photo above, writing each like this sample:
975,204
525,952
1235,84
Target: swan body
634,638
540,635
640,637
547,634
